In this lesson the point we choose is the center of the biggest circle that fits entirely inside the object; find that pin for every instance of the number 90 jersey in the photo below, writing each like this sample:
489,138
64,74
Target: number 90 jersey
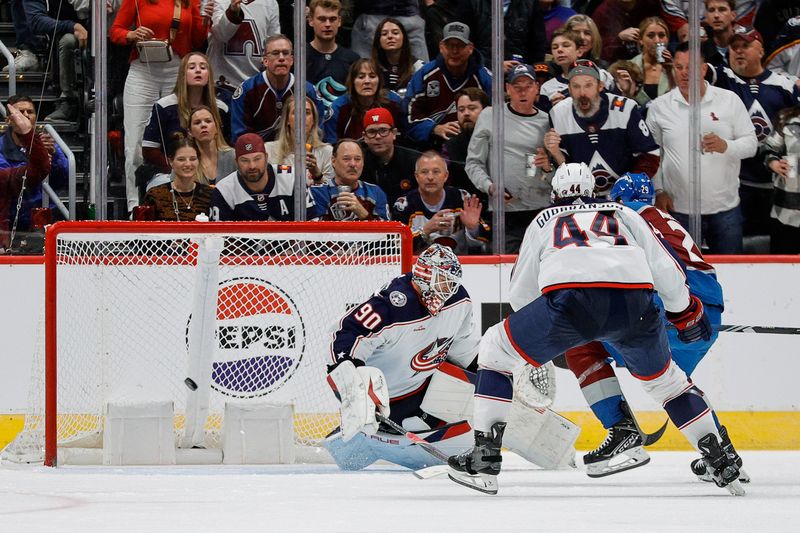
595,244
393,331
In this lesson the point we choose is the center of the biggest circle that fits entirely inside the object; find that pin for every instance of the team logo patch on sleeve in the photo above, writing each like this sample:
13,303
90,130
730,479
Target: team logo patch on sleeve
238,92
398,299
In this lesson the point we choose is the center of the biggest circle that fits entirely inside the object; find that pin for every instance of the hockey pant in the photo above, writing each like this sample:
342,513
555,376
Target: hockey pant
598,382
627,319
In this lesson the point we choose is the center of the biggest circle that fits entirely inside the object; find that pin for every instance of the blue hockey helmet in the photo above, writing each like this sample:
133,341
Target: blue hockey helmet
633,187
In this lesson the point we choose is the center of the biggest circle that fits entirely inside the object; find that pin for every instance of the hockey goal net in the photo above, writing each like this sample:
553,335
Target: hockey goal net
245,311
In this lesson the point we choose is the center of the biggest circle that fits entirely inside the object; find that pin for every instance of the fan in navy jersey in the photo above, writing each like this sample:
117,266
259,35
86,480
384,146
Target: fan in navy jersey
408,352
587,271
435,213
603,130
590,362
257,190
238,31
257,103
764,94
430,102
363,201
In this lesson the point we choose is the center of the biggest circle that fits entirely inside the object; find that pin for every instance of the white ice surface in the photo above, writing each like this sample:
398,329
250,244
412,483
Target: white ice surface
662,496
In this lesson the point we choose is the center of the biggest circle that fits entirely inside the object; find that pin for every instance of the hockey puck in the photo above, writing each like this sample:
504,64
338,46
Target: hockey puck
190,383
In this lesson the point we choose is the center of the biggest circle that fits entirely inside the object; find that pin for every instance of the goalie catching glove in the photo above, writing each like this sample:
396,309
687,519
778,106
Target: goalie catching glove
692,323
361,391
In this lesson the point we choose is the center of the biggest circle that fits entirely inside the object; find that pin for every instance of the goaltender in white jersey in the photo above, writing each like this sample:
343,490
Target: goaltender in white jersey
410,352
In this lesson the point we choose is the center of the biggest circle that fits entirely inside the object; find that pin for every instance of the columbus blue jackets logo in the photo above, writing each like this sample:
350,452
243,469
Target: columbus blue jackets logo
431,356
260,338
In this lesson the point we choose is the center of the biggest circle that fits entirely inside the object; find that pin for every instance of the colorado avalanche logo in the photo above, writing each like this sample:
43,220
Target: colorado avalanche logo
760,122
431,356
260,338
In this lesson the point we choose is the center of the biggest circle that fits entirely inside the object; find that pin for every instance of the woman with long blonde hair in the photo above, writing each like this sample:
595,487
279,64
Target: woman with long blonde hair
318,153
194,87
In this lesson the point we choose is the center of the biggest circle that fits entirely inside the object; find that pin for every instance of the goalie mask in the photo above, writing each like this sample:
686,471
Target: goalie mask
572,180
437,275
633,187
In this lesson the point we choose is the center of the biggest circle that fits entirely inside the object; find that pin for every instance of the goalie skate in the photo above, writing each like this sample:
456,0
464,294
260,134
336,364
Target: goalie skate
720,465
621,450
702,472
478,468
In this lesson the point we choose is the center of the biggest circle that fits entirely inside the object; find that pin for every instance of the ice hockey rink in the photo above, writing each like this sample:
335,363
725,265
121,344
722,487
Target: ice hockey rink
661,496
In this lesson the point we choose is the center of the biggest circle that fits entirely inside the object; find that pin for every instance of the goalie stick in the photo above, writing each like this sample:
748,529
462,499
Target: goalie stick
413,437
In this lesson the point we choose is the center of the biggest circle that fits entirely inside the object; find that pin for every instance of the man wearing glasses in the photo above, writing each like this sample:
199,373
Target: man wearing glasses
257,103
387,165
603,130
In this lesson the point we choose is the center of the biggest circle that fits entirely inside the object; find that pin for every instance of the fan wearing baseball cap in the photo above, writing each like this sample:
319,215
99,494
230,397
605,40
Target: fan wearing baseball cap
430,112
527,190
386,164
601,129
764,94
257,190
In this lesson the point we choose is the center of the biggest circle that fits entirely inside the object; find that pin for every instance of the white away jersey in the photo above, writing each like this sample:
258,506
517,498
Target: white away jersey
394,332
235,47
594,244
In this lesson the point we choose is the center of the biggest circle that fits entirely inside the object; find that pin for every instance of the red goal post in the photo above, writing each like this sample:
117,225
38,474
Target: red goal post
120,298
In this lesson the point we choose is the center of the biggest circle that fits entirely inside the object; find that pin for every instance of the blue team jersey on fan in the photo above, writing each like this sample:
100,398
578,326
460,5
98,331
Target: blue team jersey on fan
763,96
607,142
232,200
322,202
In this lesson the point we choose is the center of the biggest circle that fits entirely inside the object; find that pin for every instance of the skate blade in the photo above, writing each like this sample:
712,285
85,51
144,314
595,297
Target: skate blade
633,458
735,488
431,472
744,477
481,482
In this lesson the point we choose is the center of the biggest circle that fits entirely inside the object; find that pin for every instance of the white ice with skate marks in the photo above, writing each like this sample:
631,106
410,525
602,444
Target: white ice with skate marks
661,497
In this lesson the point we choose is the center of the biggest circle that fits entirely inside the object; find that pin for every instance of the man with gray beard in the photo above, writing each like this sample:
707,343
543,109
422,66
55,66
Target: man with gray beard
601,129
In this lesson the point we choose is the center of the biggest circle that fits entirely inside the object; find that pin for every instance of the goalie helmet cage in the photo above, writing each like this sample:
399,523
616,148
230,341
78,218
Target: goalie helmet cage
246,310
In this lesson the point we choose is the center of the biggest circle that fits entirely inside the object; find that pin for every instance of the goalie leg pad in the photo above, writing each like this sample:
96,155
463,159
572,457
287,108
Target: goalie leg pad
360,390
541,436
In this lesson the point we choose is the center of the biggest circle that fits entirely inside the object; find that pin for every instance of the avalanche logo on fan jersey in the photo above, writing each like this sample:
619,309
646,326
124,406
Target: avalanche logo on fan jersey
431,356
260,338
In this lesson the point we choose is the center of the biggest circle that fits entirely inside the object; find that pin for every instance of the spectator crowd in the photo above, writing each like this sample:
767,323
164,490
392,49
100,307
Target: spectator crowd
398,118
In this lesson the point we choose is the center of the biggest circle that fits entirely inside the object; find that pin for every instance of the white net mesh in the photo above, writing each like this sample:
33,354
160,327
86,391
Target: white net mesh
124,306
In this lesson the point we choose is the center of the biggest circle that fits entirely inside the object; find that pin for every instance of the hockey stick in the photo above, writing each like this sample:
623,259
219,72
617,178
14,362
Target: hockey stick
777,330
649,439
413,437
733,328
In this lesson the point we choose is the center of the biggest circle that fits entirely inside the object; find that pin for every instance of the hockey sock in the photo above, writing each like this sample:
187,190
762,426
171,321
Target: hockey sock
493,395
692,415
598,382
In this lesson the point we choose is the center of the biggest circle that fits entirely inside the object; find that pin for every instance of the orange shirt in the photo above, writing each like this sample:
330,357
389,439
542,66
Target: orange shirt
191,35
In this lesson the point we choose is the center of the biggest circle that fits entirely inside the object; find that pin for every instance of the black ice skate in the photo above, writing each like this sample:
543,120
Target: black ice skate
700,469
622,450
478,468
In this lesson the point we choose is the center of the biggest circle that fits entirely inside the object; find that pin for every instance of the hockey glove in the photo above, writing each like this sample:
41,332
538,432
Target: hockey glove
692,323
361,390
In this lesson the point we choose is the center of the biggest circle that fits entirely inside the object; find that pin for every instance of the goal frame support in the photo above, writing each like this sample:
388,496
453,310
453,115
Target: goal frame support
188,228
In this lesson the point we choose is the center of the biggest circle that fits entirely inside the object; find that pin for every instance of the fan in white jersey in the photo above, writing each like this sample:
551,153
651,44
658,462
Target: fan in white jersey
236,40
587,271
406,352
